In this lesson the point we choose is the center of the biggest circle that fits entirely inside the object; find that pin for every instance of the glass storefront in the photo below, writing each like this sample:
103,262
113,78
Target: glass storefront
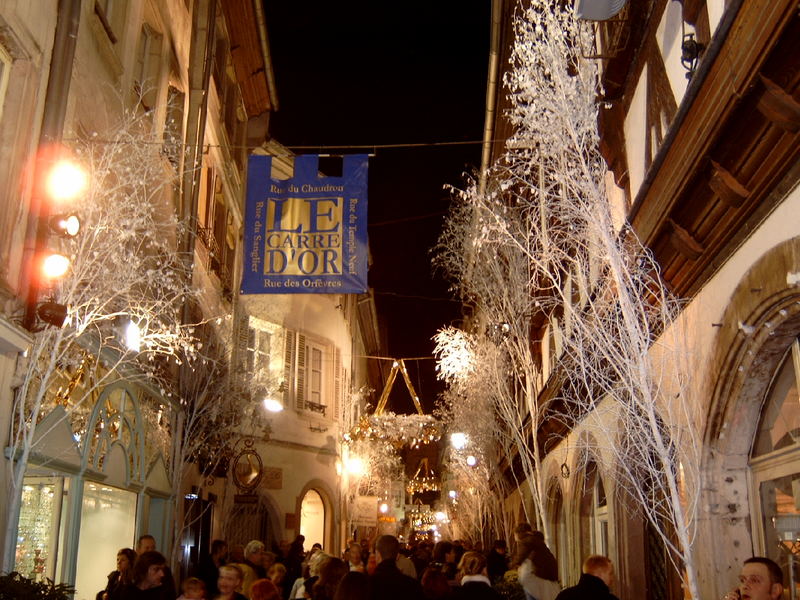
108,519
37,534
775,462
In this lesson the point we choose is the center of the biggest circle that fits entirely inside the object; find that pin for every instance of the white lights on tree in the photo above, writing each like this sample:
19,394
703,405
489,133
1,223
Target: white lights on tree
455,354
472,461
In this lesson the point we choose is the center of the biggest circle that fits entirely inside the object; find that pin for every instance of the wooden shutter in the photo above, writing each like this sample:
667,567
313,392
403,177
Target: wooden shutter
288,366
337,384
300,374
240,339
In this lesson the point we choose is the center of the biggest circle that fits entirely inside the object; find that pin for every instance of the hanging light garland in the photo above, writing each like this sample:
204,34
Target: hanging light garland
424,480
396,430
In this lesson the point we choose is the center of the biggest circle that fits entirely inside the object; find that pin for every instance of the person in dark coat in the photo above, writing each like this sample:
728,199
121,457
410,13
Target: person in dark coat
497,561
208,569
595,583
148,576
388,583
123,576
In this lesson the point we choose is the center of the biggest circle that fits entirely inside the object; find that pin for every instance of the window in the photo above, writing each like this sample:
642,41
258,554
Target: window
173,126
5,72
147,70
256,341
314,375
315,387
112,16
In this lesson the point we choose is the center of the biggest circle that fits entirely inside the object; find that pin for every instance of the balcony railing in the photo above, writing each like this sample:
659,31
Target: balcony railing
313,406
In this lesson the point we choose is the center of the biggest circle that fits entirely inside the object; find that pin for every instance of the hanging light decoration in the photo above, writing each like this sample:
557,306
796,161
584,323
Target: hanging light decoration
424,480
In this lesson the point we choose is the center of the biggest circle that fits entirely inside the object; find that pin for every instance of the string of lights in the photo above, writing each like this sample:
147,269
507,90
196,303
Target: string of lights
321,148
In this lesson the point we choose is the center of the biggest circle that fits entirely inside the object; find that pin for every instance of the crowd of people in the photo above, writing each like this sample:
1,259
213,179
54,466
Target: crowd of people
387,571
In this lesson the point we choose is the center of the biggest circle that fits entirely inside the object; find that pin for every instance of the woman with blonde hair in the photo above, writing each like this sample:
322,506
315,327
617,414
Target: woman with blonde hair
475,584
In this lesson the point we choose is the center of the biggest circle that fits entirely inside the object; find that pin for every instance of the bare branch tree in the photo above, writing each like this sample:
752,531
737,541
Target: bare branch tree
124,269
535,249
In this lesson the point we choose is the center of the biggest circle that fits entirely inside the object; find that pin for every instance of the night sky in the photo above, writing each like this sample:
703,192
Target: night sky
373,73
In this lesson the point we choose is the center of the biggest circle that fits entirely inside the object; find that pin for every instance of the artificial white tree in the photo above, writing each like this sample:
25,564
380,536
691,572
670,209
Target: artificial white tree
125,272
570,298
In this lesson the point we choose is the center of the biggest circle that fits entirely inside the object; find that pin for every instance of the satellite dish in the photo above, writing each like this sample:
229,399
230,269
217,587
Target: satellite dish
598,10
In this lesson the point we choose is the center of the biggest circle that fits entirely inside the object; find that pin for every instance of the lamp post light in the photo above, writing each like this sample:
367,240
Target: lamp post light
62,183
272,405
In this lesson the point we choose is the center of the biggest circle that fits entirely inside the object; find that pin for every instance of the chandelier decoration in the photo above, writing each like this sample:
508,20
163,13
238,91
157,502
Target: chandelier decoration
396,430
421,517
424,480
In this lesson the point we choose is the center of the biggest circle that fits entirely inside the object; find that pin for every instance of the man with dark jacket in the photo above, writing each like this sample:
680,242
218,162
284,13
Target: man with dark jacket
497,561
595,583
388,583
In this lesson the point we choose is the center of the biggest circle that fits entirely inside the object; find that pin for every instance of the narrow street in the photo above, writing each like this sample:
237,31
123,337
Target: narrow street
484,299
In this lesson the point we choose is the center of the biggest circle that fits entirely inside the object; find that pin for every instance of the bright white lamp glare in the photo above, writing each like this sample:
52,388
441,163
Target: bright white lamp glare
66,181
273,405
471,460
452,493
55,265
133,337
440,516
458,440
384,508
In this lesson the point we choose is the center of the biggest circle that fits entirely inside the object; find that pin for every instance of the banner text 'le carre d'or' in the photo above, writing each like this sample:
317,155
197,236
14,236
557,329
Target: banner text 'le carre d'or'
307,234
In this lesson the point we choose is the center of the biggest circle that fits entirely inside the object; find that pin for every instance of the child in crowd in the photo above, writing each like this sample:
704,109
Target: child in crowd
193,589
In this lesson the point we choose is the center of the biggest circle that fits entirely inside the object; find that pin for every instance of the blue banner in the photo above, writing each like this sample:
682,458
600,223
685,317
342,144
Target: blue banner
307,234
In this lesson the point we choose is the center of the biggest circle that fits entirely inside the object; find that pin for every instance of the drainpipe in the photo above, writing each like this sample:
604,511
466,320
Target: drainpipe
491,90
53,116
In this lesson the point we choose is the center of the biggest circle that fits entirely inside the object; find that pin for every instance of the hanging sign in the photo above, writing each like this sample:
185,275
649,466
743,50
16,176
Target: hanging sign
365,511
307,234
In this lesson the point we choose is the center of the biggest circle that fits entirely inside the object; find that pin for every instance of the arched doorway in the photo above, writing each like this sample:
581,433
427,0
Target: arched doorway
312,518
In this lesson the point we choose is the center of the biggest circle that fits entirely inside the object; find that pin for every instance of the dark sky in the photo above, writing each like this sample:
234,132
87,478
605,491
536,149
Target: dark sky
375,72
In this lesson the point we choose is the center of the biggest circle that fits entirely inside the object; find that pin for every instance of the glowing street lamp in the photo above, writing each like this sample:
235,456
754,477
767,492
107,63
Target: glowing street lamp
355,466
272,405
65,181
133,337
472,461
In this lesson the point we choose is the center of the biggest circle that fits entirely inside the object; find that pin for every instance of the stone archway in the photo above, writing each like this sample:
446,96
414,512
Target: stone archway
761,320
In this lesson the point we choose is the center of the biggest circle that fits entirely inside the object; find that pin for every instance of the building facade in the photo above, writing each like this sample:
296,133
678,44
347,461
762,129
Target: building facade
106,452
698,121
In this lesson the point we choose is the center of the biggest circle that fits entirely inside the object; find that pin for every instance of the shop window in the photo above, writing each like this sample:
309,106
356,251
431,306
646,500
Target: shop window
775,464
37,533
108,518
779,425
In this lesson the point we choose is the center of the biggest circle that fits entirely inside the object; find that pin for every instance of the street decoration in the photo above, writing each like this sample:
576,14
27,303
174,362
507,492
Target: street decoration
306,234
424,479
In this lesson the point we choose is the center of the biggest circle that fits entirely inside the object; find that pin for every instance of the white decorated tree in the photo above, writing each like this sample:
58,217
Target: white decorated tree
568,300
126,277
